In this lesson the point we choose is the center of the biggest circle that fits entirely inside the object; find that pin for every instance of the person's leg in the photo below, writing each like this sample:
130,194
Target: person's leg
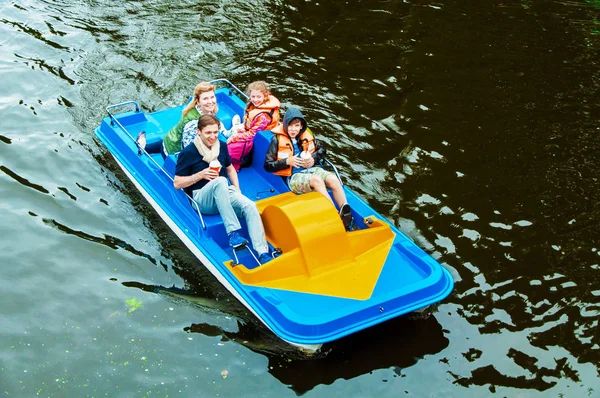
236,151
246,208
337,190
332,182
317,184
154,147
307,181
236,121
299,183
214,198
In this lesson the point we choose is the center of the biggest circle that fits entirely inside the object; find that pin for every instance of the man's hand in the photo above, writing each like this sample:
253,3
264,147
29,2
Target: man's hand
207,174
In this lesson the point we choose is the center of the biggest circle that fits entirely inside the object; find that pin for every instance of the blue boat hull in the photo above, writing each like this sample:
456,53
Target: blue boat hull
409,280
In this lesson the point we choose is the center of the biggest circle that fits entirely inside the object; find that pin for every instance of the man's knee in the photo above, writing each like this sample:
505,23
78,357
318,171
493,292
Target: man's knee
220,183
246,206
251,213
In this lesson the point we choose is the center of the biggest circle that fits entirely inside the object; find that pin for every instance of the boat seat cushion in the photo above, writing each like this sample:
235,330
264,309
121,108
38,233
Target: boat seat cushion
259,152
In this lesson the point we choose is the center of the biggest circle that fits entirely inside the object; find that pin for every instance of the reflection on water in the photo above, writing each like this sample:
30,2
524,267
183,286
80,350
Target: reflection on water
473,126
394,345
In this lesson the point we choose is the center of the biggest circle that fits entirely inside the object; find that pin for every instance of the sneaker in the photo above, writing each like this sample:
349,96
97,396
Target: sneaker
346,215
235,124
236,120
141,139
265,258
236,241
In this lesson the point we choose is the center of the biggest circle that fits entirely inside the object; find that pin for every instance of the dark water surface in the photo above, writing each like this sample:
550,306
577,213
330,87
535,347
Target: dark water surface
473,125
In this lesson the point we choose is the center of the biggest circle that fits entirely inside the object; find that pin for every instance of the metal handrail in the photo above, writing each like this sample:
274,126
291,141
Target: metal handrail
231,85
137,106
334,170
143,151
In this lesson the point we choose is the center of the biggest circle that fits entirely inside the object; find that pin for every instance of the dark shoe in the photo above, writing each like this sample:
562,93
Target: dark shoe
346,215
236,241
265,258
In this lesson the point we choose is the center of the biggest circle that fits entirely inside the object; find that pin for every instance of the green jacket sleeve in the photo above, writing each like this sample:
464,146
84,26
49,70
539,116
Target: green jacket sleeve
172,140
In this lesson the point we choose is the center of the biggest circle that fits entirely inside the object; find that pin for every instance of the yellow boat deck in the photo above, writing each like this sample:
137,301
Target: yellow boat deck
319,256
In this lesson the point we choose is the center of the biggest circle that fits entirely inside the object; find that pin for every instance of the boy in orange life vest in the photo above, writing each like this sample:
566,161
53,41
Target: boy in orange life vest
283,159
262,113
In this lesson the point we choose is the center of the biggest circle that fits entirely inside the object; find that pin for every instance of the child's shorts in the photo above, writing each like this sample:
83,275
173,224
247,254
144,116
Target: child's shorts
300,182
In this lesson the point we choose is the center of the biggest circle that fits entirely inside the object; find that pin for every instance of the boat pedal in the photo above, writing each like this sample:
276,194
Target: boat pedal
236,260
353,226
277,252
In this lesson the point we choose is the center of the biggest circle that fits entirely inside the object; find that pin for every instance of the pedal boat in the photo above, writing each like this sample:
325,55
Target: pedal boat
327,283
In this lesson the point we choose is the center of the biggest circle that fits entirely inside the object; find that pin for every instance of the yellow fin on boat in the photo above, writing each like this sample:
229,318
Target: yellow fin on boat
319,256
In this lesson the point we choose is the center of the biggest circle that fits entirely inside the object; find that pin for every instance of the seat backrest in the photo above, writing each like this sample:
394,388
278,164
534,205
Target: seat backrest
170,163
261,144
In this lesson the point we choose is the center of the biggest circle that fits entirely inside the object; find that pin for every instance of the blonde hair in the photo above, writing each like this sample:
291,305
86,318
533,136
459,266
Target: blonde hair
201,88
260,86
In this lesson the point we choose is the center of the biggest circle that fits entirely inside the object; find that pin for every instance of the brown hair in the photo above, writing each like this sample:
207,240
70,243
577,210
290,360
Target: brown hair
207,120
201,88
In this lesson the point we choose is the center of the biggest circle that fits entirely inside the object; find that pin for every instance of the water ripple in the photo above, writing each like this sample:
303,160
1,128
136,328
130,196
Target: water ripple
482,148
22,180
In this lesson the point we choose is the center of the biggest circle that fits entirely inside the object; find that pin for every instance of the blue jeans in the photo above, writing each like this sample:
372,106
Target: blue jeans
157,147
217,197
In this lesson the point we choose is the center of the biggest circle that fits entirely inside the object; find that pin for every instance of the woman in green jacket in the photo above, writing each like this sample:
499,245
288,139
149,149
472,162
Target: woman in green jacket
204,102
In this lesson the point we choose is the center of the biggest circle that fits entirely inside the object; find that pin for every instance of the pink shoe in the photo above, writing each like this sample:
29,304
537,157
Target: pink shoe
141,140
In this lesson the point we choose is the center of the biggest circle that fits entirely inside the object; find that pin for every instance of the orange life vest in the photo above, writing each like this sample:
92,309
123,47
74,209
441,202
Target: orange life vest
285,149
270,107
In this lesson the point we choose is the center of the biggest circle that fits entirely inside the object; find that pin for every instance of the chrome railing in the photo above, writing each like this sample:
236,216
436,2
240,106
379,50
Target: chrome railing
334,170
231,86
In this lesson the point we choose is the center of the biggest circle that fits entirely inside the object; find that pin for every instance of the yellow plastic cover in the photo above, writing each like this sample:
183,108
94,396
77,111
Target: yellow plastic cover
319,256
